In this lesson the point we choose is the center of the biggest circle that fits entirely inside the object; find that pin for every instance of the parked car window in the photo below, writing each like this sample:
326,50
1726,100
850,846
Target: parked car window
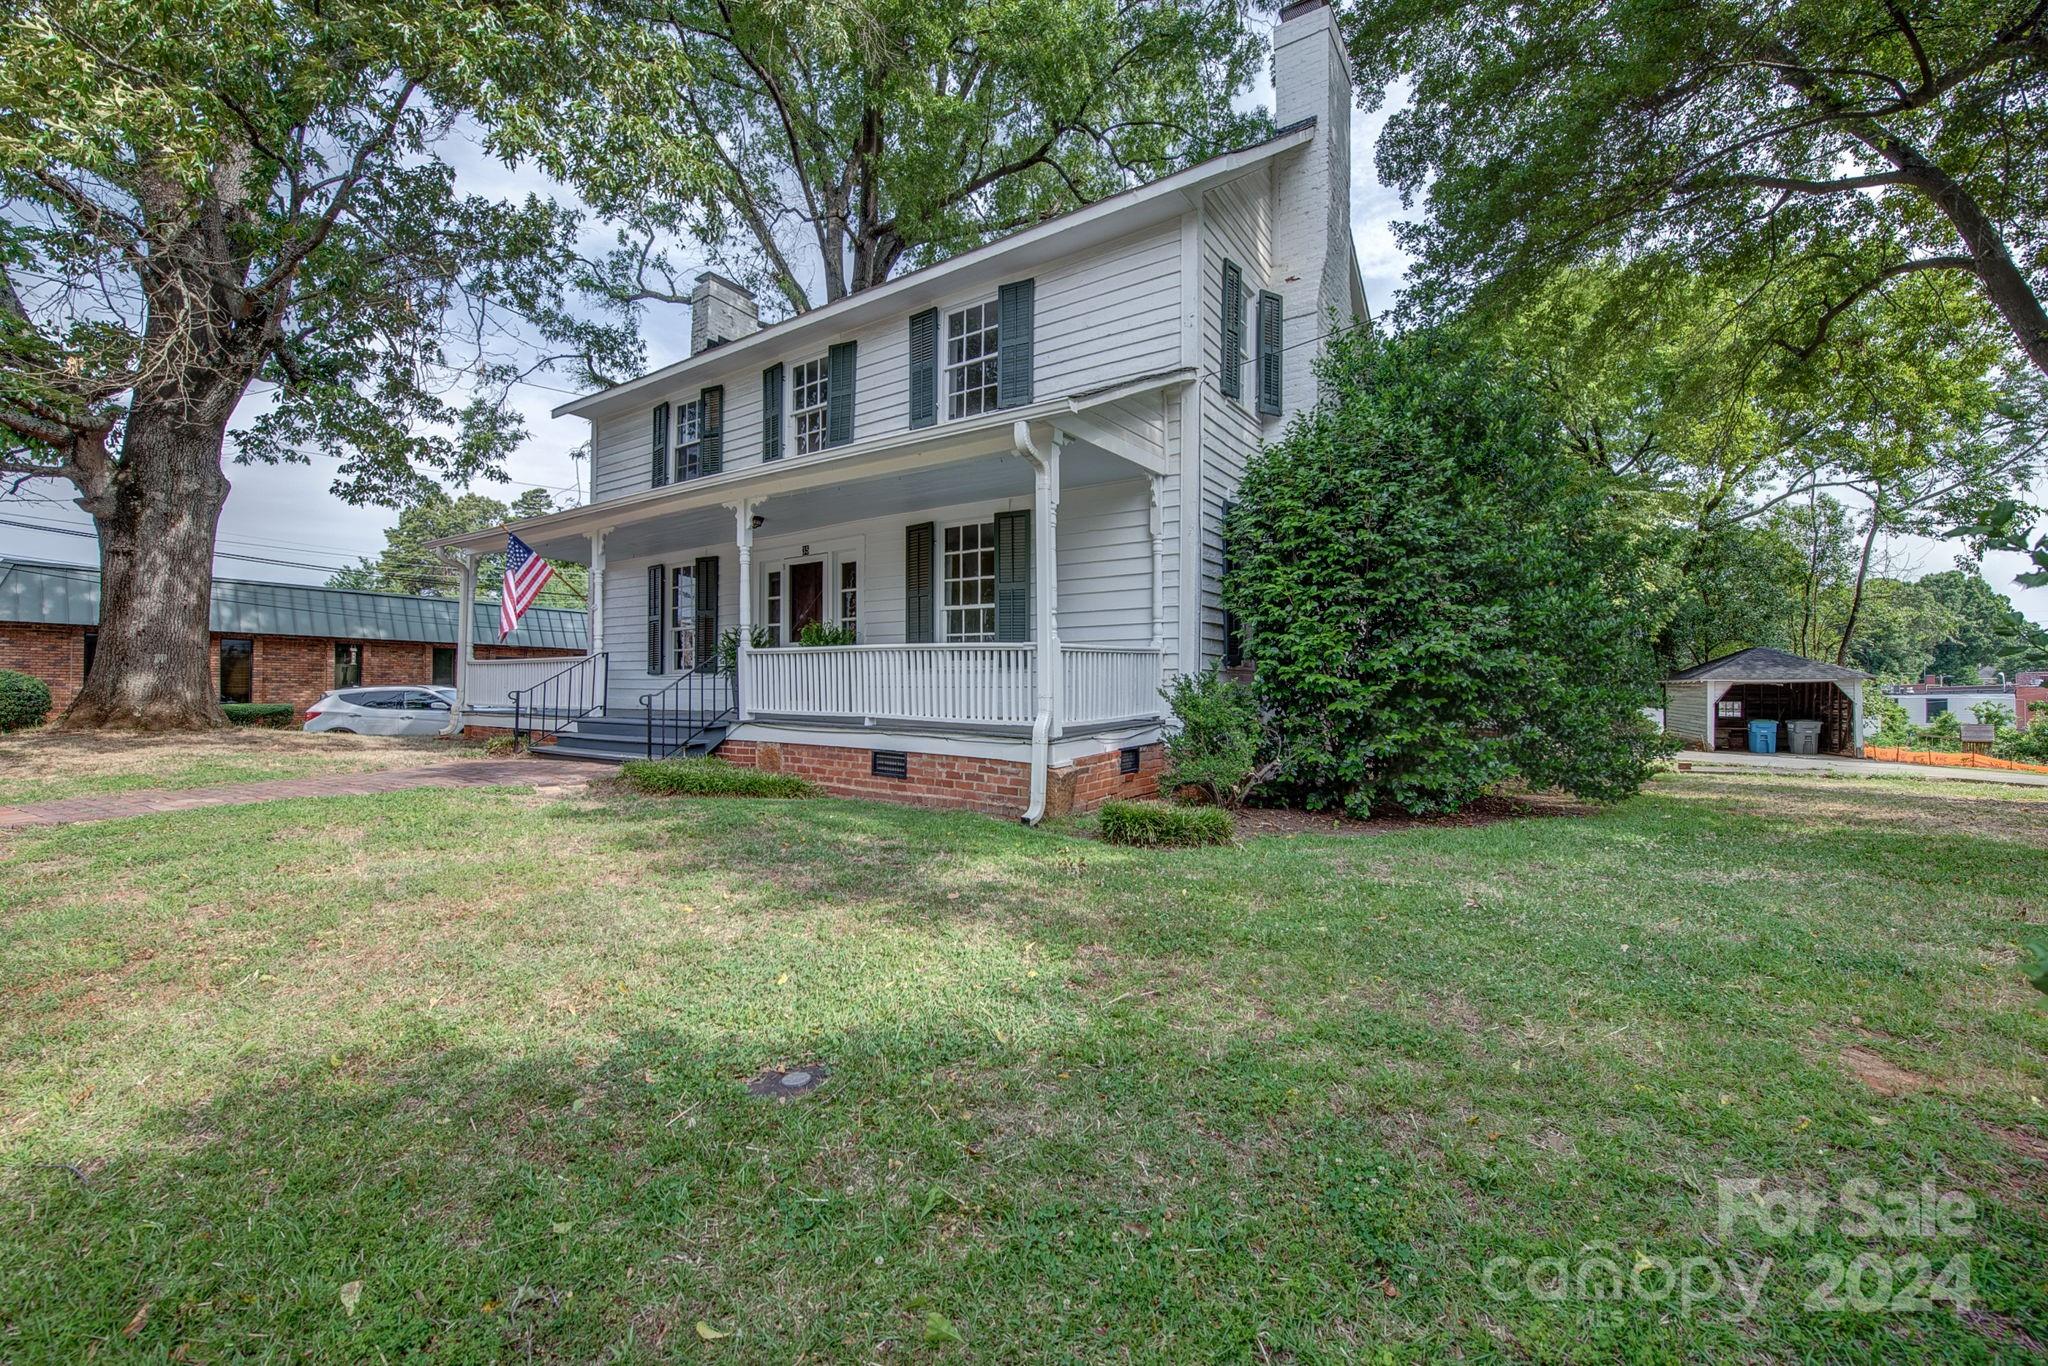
424,701
388,698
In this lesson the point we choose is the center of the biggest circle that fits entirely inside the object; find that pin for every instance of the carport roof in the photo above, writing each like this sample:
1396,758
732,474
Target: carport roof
1761,664
69,595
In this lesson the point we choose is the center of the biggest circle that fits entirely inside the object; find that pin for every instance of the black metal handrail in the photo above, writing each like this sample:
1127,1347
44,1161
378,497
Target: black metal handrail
686,708
542,711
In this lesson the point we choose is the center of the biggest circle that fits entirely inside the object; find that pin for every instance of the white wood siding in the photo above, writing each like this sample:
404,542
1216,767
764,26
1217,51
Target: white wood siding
1236,225
1109,314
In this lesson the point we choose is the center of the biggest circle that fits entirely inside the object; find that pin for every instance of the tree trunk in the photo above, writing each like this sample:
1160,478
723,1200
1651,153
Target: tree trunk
1862,577
152,666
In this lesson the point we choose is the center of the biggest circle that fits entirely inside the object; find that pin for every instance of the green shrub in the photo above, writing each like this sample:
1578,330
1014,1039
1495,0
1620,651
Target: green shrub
818,633
1217,745
1438,594
24,701
759,638
710,778
2029,746
1153,824
273,714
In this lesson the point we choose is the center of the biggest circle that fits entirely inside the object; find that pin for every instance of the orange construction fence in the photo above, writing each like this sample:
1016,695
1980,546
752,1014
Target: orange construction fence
1938,759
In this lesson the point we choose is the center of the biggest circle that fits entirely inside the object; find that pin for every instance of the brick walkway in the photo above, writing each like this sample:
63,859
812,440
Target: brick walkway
108,806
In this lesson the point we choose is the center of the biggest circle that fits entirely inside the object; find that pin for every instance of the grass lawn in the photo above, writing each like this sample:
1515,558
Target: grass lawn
43,766
461,1074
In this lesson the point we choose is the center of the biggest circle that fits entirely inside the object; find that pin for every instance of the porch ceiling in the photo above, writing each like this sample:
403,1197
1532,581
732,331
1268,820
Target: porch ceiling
971,479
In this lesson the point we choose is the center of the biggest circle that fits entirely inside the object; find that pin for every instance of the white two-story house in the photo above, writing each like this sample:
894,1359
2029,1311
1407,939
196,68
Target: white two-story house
996,485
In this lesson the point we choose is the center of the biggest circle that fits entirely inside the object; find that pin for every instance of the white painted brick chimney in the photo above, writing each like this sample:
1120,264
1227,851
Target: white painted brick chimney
1312,190
720,311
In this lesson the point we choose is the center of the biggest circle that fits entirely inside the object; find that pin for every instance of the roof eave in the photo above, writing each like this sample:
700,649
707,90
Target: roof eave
1125,204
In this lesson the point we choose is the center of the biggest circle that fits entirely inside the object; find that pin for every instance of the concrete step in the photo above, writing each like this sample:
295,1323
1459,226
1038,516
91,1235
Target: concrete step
618,749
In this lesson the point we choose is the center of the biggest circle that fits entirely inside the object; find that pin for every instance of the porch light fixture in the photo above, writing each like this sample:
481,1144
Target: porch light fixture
758,522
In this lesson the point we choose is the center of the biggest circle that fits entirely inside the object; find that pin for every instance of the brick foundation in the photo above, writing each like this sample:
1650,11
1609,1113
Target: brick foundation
998,787
294,669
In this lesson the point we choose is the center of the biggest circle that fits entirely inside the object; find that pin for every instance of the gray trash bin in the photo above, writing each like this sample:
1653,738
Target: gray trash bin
1805,736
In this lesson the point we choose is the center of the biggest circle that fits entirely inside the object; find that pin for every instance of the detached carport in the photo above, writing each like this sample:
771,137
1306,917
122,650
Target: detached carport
1710,706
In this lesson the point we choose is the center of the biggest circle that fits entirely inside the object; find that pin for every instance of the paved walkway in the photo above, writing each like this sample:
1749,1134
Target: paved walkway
1740,761
109,806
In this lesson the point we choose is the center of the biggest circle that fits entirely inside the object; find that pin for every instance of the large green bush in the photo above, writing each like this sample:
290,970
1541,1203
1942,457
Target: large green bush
710,778
1158,824
275,715
1436,594
24,700
1217,740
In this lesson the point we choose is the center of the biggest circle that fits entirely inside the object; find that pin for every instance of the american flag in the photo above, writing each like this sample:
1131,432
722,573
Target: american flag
525,575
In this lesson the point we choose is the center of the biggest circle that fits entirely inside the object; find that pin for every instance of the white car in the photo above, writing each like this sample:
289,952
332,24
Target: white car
382,711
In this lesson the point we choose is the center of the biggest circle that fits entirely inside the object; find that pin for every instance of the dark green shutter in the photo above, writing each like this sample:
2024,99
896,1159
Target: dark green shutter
924,368
1013,576
711,430
839,394
660,475
918,577
705,620
1230,369
656,574
1013,344
771,412
1269,352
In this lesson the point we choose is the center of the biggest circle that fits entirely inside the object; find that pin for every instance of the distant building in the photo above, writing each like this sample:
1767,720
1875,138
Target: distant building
1936,693
272,642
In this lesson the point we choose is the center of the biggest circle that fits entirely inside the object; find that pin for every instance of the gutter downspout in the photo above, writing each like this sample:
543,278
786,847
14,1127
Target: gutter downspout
1045,467
464,562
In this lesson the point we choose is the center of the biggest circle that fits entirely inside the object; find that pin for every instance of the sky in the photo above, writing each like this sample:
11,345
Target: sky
282,522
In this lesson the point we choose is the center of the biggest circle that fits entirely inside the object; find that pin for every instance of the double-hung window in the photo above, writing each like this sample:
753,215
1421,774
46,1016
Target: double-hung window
808,388
971,335
969,584
689,440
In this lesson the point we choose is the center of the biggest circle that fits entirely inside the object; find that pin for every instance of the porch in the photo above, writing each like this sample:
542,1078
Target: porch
1004,584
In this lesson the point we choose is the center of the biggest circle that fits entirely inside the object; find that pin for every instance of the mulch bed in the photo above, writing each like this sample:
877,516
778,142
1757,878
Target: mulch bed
1287,822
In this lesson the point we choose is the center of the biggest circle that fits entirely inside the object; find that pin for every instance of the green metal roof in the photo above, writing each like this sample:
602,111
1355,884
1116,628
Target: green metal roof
69,595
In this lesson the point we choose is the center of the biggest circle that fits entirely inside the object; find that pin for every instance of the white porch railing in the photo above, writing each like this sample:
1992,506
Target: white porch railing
980,684
1108,683
488,684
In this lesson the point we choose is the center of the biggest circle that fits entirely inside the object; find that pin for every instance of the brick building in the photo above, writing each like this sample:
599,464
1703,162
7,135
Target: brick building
272,642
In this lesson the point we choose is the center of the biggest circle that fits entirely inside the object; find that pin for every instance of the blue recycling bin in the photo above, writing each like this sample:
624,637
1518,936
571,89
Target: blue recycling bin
1763,737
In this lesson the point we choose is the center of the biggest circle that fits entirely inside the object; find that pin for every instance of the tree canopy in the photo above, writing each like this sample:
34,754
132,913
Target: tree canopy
406,565
844,142
204,198
1821,151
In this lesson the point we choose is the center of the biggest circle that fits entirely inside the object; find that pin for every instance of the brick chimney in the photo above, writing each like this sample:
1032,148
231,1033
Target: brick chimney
720,311
1312,207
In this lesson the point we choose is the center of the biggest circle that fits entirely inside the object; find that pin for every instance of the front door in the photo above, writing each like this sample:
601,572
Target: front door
806,596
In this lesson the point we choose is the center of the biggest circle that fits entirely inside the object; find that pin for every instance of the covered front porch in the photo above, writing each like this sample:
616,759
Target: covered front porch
1008,583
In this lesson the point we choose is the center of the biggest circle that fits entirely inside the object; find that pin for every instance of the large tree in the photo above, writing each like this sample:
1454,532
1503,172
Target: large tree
204,197
1824,149
848,141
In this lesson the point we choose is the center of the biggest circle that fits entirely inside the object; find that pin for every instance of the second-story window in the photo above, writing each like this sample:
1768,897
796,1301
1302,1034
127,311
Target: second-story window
689,440
971,360
808,392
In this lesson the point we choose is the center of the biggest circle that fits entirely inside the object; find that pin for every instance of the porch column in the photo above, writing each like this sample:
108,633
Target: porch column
465,636
594,607
1714,691
1045,511
743,536
1856,721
